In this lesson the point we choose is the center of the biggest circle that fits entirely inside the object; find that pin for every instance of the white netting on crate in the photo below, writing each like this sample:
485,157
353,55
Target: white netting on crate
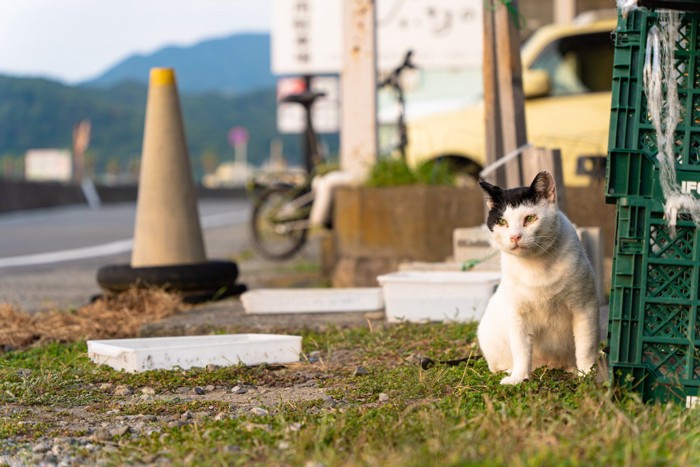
664,112
626,6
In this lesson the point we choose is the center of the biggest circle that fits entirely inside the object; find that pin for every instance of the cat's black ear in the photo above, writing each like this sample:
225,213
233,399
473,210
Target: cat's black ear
544,186
493,193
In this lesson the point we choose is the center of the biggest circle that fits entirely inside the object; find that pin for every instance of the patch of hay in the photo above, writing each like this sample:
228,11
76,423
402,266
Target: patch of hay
114,316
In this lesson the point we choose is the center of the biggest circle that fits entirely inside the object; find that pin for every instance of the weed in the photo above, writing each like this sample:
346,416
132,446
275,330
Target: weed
395,172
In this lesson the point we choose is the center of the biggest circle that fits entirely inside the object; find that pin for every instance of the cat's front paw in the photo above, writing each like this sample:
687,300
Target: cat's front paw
514,379
585,368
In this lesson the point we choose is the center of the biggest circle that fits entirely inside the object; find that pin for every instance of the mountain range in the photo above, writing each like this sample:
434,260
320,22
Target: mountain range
231,66
222,82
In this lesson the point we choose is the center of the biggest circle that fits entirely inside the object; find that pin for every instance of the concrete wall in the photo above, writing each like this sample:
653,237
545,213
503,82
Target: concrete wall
20,195
376,229
17,195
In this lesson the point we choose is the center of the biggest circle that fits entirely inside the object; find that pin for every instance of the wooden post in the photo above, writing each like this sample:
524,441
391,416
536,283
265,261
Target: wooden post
504,101
535,160
510,87
358,88
564,11
492,113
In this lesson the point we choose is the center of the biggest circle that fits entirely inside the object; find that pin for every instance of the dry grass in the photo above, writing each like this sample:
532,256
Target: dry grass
114,316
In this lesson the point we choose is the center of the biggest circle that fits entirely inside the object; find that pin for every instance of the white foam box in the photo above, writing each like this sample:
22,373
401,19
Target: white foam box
420,296
167,353
313,300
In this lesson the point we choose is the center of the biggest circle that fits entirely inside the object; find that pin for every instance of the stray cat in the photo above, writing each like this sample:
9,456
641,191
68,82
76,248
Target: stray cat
545,310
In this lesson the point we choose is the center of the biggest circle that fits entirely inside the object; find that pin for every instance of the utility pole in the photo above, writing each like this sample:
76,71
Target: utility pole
504,103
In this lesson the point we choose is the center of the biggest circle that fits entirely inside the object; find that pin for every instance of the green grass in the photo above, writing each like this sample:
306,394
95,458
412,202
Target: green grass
446,415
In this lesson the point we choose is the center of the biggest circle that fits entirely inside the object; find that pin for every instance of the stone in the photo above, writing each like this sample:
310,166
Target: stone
101,434
123,390
307,384
41,447
383,397
314,356
120,431
328,401
361,371
259,411
201,415
199,391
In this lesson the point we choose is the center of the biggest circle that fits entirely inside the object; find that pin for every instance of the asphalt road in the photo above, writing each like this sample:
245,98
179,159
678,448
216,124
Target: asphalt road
49,258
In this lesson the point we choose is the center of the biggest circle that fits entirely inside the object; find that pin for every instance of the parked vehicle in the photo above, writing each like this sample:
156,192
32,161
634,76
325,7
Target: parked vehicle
567,75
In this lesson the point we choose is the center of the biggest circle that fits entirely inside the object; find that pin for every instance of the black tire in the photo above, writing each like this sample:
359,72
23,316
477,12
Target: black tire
270,233
209,276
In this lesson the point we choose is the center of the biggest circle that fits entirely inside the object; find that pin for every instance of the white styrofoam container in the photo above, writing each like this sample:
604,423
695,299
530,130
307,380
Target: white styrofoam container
166,353
420,296
312,300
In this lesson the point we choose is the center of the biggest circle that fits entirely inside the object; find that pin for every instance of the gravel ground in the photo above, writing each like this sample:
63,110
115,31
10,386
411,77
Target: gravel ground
90,433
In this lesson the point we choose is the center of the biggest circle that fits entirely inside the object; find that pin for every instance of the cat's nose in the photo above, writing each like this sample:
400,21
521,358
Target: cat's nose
515,238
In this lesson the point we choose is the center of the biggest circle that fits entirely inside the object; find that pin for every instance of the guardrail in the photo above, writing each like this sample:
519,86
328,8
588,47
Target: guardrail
20,195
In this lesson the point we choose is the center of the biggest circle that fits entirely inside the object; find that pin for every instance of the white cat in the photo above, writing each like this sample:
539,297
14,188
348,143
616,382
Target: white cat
545,311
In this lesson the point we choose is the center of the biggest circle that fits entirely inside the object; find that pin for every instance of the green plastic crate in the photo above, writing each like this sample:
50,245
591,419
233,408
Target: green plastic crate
654,327
632,169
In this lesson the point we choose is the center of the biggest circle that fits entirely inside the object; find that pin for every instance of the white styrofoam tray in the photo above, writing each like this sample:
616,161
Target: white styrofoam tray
437,295
313,300
165,353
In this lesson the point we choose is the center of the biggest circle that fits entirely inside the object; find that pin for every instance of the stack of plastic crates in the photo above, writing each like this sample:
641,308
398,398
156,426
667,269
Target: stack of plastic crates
654,327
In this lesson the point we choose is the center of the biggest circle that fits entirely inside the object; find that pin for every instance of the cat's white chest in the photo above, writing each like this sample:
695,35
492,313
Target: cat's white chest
533,280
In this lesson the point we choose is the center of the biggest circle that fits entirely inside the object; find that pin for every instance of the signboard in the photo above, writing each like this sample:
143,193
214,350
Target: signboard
48,164
444,34
324,113
305,37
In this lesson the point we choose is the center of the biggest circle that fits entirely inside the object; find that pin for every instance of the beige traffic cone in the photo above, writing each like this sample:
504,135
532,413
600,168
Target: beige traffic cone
167,229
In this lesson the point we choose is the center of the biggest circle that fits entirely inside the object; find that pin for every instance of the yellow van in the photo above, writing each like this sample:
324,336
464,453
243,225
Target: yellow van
567,75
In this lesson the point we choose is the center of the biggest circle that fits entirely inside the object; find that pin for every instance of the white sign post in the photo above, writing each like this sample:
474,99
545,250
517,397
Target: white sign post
358,89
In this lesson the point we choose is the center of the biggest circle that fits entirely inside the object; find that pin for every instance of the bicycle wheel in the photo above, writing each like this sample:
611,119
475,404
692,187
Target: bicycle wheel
278,229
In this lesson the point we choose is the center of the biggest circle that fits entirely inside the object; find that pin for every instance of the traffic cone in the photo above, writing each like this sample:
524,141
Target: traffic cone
168,243
167,229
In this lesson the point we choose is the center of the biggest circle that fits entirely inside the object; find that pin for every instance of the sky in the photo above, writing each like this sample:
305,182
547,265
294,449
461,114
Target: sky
75,40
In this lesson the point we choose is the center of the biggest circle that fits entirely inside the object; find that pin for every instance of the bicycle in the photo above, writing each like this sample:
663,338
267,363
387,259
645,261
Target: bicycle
393,81
281,208
280,219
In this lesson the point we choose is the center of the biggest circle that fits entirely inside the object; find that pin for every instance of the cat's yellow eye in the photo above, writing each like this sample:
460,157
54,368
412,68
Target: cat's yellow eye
502,222
530,219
